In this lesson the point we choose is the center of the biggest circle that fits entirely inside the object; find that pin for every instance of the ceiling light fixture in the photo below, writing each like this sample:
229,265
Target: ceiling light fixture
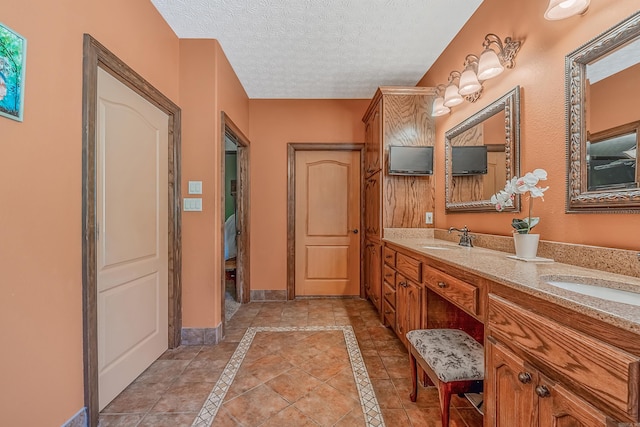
561,9
490,64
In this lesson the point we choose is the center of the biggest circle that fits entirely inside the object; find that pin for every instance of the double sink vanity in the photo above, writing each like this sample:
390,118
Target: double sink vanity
562,343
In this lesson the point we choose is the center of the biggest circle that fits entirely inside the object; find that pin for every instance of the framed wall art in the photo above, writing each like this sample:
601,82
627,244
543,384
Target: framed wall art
13,54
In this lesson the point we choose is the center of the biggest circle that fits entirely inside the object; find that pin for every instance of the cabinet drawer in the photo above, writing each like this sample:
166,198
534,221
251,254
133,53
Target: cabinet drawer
389,276
409,267
608,374
389,257
461,293
389,315
389,294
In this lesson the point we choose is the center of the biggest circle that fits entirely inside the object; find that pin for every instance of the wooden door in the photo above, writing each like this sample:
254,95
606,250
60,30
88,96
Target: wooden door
509,388
561,408
327,223
414,305
132,235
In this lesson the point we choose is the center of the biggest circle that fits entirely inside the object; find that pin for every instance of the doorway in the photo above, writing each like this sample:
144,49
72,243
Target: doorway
234,178
98,60
324,213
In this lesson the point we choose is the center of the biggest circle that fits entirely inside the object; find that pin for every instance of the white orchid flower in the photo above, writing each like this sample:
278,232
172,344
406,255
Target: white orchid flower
511,186
541,174
526,184
538,191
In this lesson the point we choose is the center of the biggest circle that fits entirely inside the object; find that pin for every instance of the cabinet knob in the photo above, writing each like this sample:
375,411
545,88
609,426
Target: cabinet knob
403,284
442,285
524,377
386,294
387,312
542,391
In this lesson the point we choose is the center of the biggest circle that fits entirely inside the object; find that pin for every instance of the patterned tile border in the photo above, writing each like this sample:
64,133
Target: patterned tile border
368,400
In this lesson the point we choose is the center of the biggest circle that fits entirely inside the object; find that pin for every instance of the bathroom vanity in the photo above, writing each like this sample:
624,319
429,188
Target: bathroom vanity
556,352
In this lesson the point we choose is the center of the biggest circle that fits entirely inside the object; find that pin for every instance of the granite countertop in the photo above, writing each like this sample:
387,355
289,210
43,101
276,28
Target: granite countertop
531,278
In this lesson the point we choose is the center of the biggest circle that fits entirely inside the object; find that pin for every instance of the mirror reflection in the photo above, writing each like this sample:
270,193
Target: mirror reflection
603,96
481,154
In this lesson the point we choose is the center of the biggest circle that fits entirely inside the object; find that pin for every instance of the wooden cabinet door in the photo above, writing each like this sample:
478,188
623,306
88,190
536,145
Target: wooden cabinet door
560,408
401,308
373,273
414,306
509,387
373,141
408,307
372,205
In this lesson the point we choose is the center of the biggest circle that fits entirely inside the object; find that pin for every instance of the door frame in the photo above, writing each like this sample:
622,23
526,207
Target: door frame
228,127
292,147
96,55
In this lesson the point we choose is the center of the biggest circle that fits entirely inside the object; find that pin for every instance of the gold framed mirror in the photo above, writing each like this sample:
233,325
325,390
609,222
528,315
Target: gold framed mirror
603,121
481,154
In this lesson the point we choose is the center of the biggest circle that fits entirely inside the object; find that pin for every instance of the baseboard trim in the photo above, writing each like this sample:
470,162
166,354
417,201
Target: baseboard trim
78,420
201,336
268,295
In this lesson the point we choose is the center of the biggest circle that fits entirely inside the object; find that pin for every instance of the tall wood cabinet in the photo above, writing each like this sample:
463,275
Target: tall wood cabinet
396,116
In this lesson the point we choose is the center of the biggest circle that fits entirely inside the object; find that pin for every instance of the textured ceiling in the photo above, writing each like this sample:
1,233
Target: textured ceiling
306,49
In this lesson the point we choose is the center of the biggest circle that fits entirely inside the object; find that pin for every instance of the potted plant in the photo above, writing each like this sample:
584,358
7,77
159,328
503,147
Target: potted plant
525,242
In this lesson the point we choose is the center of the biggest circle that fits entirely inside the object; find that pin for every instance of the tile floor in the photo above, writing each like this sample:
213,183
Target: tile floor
281,381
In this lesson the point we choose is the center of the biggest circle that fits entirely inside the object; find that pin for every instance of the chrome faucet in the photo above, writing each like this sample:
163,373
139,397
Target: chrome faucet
465,237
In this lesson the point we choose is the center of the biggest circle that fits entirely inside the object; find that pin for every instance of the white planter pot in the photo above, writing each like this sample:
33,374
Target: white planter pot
526,245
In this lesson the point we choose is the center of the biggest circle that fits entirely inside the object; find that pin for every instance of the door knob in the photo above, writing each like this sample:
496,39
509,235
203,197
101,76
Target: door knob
354,231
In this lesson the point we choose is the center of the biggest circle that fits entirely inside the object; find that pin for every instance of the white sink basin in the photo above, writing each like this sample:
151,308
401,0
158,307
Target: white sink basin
602,292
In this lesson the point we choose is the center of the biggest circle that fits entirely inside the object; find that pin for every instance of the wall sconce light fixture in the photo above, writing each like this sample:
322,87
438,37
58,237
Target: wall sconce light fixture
561,9
451,95
439,108
469,83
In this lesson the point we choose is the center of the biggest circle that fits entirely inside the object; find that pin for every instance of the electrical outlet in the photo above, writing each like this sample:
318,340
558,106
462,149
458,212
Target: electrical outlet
428,218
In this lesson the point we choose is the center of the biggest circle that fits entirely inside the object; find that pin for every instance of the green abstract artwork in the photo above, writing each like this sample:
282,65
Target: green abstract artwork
13,52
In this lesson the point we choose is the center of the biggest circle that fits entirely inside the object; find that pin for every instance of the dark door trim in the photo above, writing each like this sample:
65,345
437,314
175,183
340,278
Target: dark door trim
292,147
96,55
228,127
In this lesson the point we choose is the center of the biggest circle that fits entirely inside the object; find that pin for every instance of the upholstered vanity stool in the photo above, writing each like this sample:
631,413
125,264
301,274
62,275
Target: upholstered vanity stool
452,359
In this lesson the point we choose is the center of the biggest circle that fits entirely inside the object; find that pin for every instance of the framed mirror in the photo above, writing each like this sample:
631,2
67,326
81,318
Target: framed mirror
481,154
603,121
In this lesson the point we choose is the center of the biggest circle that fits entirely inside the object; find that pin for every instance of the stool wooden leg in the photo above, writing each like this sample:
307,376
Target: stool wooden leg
444,389
414,377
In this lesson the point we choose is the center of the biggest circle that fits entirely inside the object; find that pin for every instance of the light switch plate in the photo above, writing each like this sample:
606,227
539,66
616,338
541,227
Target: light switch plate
192,205
428,218
195,187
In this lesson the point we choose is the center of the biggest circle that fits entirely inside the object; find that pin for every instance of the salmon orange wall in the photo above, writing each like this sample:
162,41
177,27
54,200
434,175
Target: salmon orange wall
208,85
41,190
614,101
540,71
274,124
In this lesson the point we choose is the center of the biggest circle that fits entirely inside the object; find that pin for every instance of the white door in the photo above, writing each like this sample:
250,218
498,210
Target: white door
132,235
